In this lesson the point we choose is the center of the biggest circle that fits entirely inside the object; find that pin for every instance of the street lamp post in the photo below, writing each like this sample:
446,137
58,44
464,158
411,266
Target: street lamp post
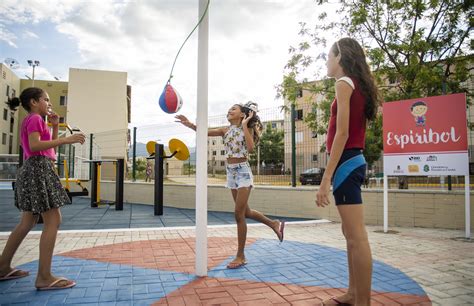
33,63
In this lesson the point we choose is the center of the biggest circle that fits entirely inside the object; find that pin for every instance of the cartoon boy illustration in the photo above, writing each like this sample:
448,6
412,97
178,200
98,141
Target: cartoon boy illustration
418,110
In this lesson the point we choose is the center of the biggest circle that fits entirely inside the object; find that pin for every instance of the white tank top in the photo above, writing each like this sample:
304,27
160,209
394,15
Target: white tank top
234,142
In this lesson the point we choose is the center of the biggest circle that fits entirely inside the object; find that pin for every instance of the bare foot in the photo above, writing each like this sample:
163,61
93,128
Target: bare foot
236,263
278,227
345,299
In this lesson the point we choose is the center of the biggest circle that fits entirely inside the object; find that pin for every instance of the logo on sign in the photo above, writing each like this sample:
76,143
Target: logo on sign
426,168
431,158
398,170
415,158
413,168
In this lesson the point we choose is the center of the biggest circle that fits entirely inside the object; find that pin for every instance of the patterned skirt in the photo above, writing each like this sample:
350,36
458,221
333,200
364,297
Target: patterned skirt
38,188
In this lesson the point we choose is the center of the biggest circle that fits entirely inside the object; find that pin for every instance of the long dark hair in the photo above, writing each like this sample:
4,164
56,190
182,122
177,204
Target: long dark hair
25,98
354,64
254,122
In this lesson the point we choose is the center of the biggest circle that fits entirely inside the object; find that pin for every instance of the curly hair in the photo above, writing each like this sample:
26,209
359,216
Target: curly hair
254,122
354,64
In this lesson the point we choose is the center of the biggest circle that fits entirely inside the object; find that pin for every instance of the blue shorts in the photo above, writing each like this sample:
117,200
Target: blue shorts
349,177
239,175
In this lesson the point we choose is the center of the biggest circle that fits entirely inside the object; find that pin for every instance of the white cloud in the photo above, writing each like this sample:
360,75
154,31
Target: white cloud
7,37
29,35
248,43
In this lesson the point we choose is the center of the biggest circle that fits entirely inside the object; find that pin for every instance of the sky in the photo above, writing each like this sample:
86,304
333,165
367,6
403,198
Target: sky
248,46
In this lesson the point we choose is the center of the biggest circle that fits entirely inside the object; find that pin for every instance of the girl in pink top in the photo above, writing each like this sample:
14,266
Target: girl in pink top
38,190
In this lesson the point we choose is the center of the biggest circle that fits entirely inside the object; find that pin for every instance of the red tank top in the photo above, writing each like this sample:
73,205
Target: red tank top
357,121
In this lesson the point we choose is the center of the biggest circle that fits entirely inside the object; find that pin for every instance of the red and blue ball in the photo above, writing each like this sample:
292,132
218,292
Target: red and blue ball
170,100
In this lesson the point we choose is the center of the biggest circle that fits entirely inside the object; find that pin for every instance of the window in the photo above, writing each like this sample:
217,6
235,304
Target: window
299,114
10,147
8,90
222,152
213,142
63,100
214,153
222,163
392,79
300,93
274,125
4,138
12,123
299,137
61,119
5,114
315,157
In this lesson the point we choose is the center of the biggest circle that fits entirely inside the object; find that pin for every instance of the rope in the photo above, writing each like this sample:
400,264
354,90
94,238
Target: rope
199,22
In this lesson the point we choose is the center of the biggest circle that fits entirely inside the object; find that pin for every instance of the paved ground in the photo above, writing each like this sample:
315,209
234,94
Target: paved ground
79,215
156,267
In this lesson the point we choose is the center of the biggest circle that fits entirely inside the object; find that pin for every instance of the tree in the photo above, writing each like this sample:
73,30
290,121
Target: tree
415,48
272,147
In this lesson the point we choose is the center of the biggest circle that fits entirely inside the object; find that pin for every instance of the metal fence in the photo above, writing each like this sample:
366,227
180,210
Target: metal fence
271,161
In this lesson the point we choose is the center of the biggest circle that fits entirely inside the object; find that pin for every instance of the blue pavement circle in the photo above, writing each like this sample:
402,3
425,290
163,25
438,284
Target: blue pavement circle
291,262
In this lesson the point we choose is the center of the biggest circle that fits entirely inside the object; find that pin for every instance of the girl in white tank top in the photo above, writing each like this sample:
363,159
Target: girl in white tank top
240,139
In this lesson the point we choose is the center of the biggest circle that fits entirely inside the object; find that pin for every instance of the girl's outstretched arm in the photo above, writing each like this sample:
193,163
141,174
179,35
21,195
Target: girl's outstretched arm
211,132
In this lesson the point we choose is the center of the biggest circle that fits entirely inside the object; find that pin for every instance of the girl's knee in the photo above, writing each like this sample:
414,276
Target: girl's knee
239,215
52,217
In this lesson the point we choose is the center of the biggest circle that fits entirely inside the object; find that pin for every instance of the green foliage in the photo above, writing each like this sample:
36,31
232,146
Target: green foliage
272,147
416,48
189,169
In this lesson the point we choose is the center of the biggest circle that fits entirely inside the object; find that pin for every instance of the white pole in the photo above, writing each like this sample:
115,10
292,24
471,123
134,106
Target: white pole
385,204
201,143
468,206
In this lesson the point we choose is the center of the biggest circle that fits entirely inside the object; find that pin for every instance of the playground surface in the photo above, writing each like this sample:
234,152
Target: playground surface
155,265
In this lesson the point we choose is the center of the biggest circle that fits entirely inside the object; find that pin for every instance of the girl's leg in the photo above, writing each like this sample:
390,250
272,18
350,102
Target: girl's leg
52,220
359,254
349,296
27,222
258,216
240,196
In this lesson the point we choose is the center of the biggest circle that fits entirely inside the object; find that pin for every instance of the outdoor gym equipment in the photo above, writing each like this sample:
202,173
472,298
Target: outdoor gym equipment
67,180
95,182
157,152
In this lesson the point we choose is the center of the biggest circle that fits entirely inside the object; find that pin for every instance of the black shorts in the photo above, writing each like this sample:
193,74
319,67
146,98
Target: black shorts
349,177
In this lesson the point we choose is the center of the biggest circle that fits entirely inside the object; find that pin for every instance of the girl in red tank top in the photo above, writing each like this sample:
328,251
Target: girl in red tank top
356,102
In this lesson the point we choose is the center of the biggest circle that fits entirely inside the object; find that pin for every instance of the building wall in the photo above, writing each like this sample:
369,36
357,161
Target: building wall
98,104
9,88
308,144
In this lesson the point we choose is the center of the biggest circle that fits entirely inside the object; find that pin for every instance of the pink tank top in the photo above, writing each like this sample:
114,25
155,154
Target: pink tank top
34,123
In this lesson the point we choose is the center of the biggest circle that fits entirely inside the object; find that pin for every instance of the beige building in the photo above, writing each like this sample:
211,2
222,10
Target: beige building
308,143
9,88
99,104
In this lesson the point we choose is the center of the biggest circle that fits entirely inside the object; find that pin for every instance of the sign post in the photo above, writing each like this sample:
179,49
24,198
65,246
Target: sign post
426,136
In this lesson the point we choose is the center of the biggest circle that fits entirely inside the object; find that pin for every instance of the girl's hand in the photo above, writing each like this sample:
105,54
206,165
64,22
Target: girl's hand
53,118
247,118
184,121
76,138
322,196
